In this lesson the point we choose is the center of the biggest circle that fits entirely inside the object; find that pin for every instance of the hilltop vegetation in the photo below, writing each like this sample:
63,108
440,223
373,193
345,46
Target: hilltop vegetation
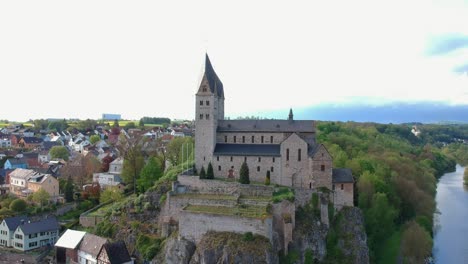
396,174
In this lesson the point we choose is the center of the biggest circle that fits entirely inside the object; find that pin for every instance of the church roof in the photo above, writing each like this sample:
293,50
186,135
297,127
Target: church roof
247,150
216,86
342,176
280,126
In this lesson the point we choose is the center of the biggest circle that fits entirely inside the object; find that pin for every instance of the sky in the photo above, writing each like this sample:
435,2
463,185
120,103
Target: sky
79,59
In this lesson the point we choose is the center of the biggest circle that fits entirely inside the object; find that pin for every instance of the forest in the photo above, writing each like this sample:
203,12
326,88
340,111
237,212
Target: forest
396,174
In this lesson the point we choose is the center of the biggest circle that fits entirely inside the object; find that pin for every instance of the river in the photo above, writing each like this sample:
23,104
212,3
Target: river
451,219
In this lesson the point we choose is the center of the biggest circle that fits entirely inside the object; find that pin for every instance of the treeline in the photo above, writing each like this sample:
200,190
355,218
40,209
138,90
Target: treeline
395,175
155,120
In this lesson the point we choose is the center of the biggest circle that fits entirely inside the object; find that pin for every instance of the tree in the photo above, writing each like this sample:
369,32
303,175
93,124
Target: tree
202,173
18,205
69,190
465,176
244,174
111,194
267,179
106,161
116,123
59,152
41,197
209,172
130,125
141,123
94,139
130,149
149,174
416,244
176,147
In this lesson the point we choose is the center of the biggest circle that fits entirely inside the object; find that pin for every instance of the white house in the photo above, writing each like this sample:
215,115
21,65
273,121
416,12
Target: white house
29,235
5,142
106,179
89,248
116,166
19,180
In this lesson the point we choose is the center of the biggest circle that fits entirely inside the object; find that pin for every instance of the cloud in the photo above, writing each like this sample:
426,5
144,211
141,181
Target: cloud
461,69
448,44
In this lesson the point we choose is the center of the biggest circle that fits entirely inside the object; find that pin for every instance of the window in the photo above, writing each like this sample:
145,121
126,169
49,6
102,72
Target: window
204,158
253,139
273,159
32,235
299,155
204,89
17,236
207,116
231,158
262,139
245,159
42,233
342,186
201,102
225,139
287,154
322,168
19,245
272,169
235,139
271,139
33,244
258,168
259,159
219,168
207,102
243,139
333,187
201,116
217,158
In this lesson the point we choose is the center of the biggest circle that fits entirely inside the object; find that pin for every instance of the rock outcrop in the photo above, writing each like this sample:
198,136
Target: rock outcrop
176,251
352,237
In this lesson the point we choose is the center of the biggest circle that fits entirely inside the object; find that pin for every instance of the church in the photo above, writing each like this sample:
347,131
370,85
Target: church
287,149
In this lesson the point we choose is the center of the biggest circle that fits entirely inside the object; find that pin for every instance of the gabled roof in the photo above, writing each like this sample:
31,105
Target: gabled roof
272,150
15,161
279,126
22,173
215,84
70,239
342,176
92,244
117,252
48,224
13,222
32,140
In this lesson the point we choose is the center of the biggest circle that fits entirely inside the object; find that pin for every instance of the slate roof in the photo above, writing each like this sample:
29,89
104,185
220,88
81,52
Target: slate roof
117,252
92,244
213,81
32,140
279,126
272,150
14,222
342,176
48,224
15,161
47,145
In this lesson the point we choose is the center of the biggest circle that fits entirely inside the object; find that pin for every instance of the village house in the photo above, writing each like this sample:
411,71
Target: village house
19,181
27,234
114,253
29,142
89,248
15,163
47,182
24,182
5,142
112,177
67,246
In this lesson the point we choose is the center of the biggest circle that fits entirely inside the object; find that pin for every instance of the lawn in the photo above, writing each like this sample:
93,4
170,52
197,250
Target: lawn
244,211
206,196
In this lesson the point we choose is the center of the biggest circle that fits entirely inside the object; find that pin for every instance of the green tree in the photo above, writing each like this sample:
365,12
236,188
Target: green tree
380,220
267,179
416,244
244,174
116,123
18,205
209,172
465,176
150,173
94,139
130,125
69,187
141,123
176,147
202,173
41,197
130,149
111,194
59,152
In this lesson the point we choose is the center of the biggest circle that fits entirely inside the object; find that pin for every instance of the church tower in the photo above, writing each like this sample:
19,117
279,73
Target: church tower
209,108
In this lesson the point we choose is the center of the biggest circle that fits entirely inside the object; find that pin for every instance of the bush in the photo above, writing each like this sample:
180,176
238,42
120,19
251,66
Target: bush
209,172
248,236
202,173
244,174
267,179
18,205
309,257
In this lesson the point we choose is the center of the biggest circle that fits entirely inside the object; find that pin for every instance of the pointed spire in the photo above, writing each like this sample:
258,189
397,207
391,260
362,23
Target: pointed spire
291,116
214,83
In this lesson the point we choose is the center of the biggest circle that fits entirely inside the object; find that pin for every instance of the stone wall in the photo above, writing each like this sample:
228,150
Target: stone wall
322,178
303,196
295,170
192,226
343,197
257,169
284,221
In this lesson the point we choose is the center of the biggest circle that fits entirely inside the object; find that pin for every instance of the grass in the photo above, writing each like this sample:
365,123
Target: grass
390,249
283,193
257,198
206,196
244,211
101,211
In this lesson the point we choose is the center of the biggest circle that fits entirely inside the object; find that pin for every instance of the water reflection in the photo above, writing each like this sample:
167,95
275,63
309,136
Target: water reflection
450,219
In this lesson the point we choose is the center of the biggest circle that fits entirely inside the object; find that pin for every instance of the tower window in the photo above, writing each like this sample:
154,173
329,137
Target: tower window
201,116
207,102
204,88
243,139
299,155
322,167
259,159
219,168
201,102
342,186
207,116
245,159
262,139
273,159
231,158
272,169
287,154
235,139
217,158
225,139
271,139
253,139
258,168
